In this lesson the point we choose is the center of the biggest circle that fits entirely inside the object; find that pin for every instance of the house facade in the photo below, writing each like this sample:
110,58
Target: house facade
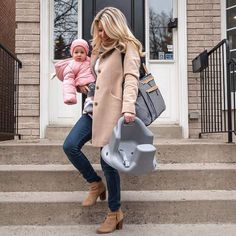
45,29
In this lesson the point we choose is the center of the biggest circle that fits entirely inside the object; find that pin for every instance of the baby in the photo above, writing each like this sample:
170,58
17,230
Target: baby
78,73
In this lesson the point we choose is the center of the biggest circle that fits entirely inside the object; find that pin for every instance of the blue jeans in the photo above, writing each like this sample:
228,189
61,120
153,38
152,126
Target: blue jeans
78,136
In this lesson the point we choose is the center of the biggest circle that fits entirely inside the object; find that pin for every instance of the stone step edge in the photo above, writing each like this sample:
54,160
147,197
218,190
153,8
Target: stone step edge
128,229
161,167
127,196
163,142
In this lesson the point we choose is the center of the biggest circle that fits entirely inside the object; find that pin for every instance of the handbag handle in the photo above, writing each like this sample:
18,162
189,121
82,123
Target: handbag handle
143,68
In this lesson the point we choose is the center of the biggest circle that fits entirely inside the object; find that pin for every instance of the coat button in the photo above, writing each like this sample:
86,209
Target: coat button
99,71
95,103
97,87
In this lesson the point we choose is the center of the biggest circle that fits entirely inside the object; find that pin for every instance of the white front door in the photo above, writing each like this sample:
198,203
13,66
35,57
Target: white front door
161,55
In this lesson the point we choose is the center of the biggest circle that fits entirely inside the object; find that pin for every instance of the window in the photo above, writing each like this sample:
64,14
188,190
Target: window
231,25
65,27
161,40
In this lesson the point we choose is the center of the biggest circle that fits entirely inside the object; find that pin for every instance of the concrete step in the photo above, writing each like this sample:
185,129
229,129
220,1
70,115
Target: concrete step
140,207
130,230
193,176
59,132
168,151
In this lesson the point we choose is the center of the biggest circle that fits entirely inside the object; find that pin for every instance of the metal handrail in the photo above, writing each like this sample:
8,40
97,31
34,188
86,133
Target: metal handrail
222,42
11,54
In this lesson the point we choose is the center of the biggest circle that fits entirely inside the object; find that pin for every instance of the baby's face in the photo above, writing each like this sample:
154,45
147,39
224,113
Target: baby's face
79,54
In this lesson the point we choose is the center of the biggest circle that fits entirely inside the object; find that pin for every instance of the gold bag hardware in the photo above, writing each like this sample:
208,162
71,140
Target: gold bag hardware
147,80
152,89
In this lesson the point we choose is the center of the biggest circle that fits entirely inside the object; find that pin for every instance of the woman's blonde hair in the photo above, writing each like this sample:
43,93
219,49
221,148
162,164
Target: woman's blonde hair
115,25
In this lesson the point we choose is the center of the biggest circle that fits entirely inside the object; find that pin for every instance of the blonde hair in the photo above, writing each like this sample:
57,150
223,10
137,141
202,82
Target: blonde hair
115,25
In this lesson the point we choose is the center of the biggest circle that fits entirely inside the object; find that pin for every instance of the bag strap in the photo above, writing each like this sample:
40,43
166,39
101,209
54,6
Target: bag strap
142,69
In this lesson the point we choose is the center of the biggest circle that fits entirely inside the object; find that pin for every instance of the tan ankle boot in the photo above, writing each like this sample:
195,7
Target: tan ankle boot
113,221
97,189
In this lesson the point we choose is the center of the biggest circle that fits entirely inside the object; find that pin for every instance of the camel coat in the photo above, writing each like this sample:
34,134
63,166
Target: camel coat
110,101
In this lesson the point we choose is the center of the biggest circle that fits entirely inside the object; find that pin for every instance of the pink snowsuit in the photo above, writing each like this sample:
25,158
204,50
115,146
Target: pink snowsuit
76,74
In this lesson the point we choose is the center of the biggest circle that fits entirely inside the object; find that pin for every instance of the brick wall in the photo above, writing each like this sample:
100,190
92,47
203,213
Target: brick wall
7,24
204,32
27,50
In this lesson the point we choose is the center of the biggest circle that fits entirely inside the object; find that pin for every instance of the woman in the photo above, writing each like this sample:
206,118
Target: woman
115,95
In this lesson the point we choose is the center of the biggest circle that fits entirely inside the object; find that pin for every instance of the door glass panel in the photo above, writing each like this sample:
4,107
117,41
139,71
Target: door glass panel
231,3
65,27
160,39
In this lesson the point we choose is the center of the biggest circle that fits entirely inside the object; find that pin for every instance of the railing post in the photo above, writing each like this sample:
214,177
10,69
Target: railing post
229,105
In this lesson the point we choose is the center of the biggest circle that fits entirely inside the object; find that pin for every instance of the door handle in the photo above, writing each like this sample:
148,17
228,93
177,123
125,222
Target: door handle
173,23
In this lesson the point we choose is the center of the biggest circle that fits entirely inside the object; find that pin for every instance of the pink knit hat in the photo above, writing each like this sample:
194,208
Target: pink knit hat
81,43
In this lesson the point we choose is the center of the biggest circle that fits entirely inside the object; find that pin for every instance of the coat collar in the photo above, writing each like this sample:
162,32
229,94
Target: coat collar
95,55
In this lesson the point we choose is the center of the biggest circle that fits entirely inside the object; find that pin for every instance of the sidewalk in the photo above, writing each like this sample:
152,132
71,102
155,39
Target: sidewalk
128,230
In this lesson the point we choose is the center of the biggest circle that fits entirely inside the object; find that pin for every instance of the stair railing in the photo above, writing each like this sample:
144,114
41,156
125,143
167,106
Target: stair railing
9,94
218,90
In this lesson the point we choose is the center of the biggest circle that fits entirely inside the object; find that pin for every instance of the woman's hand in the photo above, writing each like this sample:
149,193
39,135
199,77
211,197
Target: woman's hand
129,117
82,89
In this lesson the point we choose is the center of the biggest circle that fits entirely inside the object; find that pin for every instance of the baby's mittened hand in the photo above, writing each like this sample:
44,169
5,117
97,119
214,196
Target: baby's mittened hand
82,89
70,100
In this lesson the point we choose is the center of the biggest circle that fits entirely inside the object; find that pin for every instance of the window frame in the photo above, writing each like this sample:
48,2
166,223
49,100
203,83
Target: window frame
226,29
223,20
174,36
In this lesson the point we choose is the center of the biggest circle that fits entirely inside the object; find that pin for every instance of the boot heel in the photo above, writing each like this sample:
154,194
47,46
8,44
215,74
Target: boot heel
103,196
119,225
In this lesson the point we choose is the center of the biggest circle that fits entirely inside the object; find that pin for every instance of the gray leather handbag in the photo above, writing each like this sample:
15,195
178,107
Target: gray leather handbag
150,103
130,148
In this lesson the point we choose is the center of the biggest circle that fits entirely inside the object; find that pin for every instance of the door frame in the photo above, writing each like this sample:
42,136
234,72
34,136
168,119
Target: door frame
45,45
44,65
183,67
